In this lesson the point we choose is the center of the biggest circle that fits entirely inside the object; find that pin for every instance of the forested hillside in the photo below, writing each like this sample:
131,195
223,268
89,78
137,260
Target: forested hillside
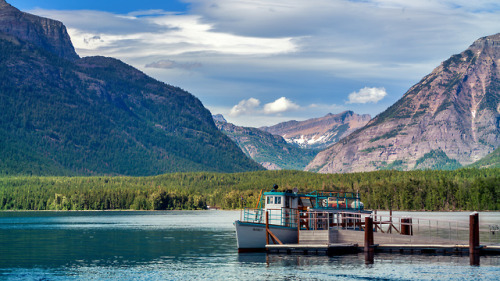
491,160
100,116
62,115
464,189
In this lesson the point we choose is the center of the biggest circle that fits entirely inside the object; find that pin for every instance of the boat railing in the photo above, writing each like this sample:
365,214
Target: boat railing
456,232
282,217
252,215
323,220
411,230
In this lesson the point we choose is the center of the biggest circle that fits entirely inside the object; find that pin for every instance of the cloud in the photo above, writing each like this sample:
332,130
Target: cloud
245,107
157,33
367,95
170,64
280,105
267,49
252,106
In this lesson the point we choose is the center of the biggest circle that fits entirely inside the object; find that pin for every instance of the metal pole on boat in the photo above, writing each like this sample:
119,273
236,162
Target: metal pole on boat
267,228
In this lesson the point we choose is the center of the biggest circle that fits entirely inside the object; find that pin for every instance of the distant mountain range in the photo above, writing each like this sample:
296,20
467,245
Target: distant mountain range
271,151
319,133
451,118
65,115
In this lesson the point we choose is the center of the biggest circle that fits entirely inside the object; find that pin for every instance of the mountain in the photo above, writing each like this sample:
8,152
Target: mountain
451,115
49,34
319,133
271,151
61,115
491,160
219,118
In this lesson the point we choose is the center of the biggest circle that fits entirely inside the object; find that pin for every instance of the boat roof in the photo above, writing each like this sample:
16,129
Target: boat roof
314,194
284,193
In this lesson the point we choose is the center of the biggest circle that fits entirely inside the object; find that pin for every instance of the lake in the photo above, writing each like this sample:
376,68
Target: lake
194,245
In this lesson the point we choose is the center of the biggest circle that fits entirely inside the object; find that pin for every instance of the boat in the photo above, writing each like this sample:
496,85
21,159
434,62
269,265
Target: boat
279,215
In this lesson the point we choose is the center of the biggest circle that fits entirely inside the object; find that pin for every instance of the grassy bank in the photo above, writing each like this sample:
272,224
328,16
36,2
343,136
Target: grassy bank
464,189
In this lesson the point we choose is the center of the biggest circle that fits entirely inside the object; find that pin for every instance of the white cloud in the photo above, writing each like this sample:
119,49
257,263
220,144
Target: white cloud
251,106
280,105
367,95
245,107
157,33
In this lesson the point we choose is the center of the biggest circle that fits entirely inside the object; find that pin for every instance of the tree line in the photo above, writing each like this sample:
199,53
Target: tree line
463,189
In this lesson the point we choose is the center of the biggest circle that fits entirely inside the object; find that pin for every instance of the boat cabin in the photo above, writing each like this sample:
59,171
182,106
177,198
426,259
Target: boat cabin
291,199
275,200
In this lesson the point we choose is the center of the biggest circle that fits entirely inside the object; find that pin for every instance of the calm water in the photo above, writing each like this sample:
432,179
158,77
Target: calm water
197,245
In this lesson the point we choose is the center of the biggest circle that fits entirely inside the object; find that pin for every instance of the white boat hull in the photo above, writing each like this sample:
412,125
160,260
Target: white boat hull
252,236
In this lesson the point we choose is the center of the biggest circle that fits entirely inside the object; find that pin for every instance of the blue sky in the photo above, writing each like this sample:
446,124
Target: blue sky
260,62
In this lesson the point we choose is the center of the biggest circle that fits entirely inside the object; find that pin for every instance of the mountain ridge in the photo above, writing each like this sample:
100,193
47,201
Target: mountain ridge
271,151
61,115
319,133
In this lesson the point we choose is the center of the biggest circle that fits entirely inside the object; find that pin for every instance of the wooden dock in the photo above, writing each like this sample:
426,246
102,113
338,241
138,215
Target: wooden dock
337,241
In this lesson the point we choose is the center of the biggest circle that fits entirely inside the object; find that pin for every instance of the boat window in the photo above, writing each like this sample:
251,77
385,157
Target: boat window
277,200
306,202
269,200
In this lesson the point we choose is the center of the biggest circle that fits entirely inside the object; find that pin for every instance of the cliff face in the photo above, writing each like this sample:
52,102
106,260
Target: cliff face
452,114
49,34
319,133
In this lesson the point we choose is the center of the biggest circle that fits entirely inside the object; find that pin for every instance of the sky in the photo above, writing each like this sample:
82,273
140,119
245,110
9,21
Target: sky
261,62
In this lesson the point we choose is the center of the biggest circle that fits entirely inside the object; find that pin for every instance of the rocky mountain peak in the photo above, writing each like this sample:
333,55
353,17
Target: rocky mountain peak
48,34
219,118
319,133
488,41
450,118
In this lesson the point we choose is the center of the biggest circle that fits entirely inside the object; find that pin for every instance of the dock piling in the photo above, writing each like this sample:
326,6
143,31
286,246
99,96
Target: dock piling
474,233
369,234
406,226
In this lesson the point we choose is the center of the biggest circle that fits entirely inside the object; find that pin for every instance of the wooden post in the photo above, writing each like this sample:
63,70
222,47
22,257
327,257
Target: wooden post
474,234
368,234
390,219
270,233
369,257
267,228
406,226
